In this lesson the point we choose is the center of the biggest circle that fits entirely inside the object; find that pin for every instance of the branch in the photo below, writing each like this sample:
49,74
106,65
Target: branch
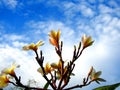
40,62
86,82
19,84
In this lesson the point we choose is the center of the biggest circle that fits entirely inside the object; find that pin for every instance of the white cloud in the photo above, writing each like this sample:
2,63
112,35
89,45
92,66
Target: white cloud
14,40
113,3
40,28
108,26
10,3
28,65
13,37
105,9
113,10
86,11
72,9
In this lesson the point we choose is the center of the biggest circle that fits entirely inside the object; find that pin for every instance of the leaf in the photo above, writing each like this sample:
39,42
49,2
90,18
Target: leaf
72,74
46,85
101,79
97,81
58,77
108,87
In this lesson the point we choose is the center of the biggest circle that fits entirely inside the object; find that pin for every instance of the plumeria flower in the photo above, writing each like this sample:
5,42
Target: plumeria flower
95,76
57,65
4,80
58,68
87,41
54,38
33,46
47,69
11,70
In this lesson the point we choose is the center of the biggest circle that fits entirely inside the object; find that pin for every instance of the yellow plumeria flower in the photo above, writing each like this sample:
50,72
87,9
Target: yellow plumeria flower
86,41
10,70
95,76
47,69
54,37
57,65
33,46
4,80
60,71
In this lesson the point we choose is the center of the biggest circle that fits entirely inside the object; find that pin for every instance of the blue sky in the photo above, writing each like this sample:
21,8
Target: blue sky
26,21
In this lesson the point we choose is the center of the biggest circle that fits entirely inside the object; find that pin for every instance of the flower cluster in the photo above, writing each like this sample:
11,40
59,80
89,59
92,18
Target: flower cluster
56,74
7,74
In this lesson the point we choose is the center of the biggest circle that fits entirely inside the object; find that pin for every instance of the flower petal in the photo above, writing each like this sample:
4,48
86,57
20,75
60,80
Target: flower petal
3,81
39,43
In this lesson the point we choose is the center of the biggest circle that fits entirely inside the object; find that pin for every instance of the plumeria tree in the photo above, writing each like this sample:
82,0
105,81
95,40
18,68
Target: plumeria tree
57,75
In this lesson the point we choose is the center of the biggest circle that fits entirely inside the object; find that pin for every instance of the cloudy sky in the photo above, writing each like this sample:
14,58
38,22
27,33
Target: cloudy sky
26,21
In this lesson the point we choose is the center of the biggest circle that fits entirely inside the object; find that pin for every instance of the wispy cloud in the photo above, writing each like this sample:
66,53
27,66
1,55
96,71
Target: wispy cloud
41,28
11,4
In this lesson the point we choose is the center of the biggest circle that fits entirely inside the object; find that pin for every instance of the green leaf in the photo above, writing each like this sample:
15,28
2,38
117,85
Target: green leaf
101,79
46,85
97,81
72,74
108,87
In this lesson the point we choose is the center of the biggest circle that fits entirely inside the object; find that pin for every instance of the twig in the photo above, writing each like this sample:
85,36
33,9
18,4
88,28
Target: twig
40,62
19,84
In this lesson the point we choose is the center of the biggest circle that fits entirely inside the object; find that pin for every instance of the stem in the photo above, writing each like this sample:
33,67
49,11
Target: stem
86,82
59,52
79,86
19,84
76,55
40,62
